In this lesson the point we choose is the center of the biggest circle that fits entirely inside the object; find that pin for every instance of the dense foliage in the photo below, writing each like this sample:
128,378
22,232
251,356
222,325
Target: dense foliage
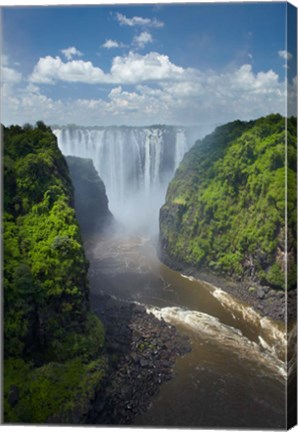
225,207
54,392
46,311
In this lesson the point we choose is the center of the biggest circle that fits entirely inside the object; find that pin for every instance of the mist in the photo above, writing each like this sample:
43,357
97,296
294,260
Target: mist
136,165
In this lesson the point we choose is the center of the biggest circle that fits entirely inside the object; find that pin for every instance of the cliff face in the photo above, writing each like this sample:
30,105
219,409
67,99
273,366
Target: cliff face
49,331
225,207
91,202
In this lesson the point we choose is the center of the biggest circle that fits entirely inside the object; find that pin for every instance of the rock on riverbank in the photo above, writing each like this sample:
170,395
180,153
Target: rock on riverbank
142,352
265,300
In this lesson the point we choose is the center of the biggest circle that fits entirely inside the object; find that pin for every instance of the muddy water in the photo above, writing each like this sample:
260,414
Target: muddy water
234,376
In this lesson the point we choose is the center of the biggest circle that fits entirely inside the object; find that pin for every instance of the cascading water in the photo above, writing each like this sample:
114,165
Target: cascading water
136,165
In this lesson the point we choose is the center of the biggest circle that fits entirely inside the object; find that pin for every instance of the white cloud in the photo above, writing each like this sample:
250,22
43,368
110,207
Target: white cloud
32,88
70,52
159,92
109,43
286,55
49,69
204,97
138,21
130,69
142,39
9,75
29,105
135,68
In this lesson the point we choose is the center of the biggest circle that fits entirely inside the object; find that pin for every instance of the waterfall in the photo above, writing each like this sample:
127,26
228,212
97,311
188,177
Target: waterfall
135,163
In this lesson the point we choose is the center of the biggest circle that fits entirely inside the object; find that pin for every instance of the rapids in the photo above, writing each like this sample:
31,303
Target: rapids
237,359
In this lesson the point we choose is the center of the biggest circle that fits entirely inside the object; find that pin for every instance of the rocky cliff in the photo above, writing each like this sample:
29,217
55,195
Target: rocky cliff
91,202
225,207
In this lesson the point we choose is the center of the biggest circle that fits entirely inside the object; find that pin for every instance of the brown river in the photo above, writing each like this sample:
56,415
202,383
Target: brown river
235,374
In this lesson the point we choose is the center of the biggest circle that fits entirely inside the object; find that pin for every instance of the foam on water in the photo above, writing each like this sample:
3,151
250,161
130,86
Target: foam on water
271,335
209,328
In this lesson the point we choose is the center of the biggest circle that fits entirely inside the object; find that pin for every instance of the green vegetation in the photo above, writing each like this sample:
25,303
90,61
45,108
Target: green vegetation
225,207
55,392
48,329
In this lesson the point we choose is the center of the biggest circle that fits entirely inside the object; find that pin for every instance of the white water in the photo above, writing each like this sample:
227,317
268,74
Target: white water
213,330
248,335
135,164
236,372
272,336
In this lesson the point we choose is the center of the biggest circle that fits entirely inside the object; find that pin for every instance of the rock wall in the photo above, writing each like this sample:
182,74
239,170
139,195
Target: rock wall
225,207
91,202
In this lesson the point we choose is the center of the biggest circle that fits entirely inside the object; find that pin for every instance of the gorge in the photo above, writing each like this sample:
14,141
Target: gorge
235,373
126,266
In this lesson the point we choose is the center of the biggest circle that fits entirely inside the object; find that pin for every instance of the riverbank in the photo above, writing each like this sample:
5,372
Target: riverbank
142,351
223,361
265,300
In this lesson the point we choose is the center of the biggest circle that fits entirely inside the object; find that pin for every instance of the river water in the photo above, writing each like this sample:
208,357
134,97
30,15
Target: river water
234,376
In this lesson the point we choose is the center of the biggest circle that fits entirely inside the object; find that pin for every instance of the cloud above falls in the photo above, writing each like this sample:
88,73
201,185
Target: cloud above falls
158,92
130,69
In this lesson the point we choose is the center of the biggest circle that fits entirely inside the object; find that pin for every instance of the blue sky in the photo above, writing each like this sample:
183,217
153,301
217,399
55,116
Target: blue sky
176,64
